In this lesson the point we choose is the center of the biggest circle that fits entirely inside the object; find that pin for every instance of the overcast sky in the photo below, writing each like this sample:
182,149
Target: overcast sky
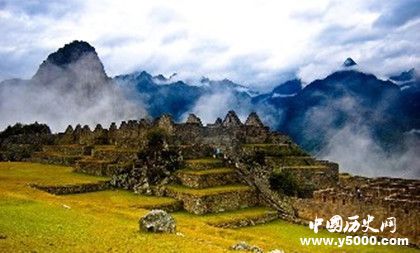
256,43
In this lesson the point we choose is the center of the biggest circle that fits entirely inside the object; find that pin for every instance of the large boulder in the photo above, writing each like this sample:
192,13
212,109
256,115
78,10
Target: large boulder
158,221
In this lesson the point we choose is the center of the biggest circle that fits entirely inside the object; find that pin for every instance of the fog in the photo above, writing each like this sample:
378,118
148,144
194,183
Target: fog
78,93
351,144
357,153
81,93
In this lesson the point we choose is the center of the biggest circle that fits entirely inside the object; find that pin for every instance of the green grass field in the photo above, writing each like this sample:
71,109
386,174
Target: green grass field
35,221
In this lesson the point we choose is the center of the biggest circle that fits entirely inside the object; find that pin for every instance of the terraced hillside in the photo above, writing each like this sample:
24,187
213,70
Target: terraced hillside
37,221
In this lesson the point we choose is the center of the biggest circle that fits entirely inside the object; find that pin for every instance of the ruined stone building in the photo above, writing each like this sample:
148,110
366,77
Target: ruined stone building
230,165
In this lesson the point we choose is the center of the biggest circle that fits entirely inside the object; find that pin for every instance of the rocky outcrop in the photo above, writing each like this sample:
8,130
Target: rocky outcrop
158,221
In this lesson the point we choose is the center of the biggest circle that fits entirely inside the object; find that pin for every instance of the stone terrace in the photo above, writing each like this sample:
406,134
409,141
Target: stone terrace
209,186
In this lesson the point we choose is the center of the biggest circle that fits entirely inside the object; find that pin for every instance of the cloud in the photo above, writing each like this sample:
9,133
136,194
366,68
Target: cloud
367,158
40,8
77,93
206,108
210,38
398,13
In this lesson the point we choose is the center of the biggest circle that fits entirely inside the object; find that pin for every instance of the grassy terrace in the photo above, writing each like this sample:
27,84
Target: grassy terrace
35,221
235,215
208,191
90,159
64,145
264,145
203,160
207,172
55,154
19,174
313,167
113,148
122,199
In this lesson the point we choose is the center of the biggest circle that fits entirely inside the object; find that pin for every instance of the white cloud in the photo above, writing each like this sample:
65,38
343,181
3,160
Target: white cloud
198,38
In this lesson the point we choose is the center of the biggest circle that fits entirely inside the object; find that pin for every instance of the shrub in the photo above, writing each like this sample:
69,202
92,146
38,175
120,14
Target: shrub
286,183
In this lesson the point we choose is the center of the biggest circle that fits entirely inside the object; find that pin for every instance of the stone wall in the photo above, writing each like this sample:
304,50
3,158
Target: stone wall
133,133
73,188
380,197
215,203
317,176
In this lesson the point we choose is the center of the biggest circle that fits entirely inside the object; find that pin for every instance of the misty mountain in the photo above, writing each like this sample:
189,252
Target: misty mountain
348,112
281,95
311,115
163,95
343,98
350,117
409,101
405,76
69,87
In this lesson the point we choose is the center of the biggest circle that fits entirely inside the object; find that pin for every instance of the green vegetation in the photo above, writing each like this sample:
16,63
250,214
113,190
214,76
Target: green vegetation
35,221
203,160
16,174
286,183
207,172
264,145
156,138
113,148
275,149
208,191
123,199
20,129
245,213
313,167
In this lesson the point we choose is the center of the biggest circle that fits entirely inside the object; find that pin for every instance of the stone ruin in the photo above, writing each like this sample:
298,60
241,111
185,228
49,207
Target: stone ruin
381,197
226,166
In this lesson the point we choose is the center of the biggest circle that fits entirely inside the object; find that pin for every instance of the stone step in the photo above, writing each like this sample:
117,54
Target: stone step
55,158
73,188
215,199
173,206
207,178
112,153
96,167
290,160
274,149
203,164
315,176
305,167
70,150
241,218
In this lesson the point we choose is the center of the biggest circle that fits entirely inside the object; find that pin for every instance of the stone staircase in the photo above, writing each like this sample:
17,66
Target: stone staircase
207,187
289,158
67,155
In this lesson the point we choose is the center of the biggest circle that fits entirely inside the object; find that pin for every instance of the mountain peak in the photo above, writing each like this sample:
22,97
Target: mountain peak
204,79
70,53
78,60
289,88
161,78
405,76
349,62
